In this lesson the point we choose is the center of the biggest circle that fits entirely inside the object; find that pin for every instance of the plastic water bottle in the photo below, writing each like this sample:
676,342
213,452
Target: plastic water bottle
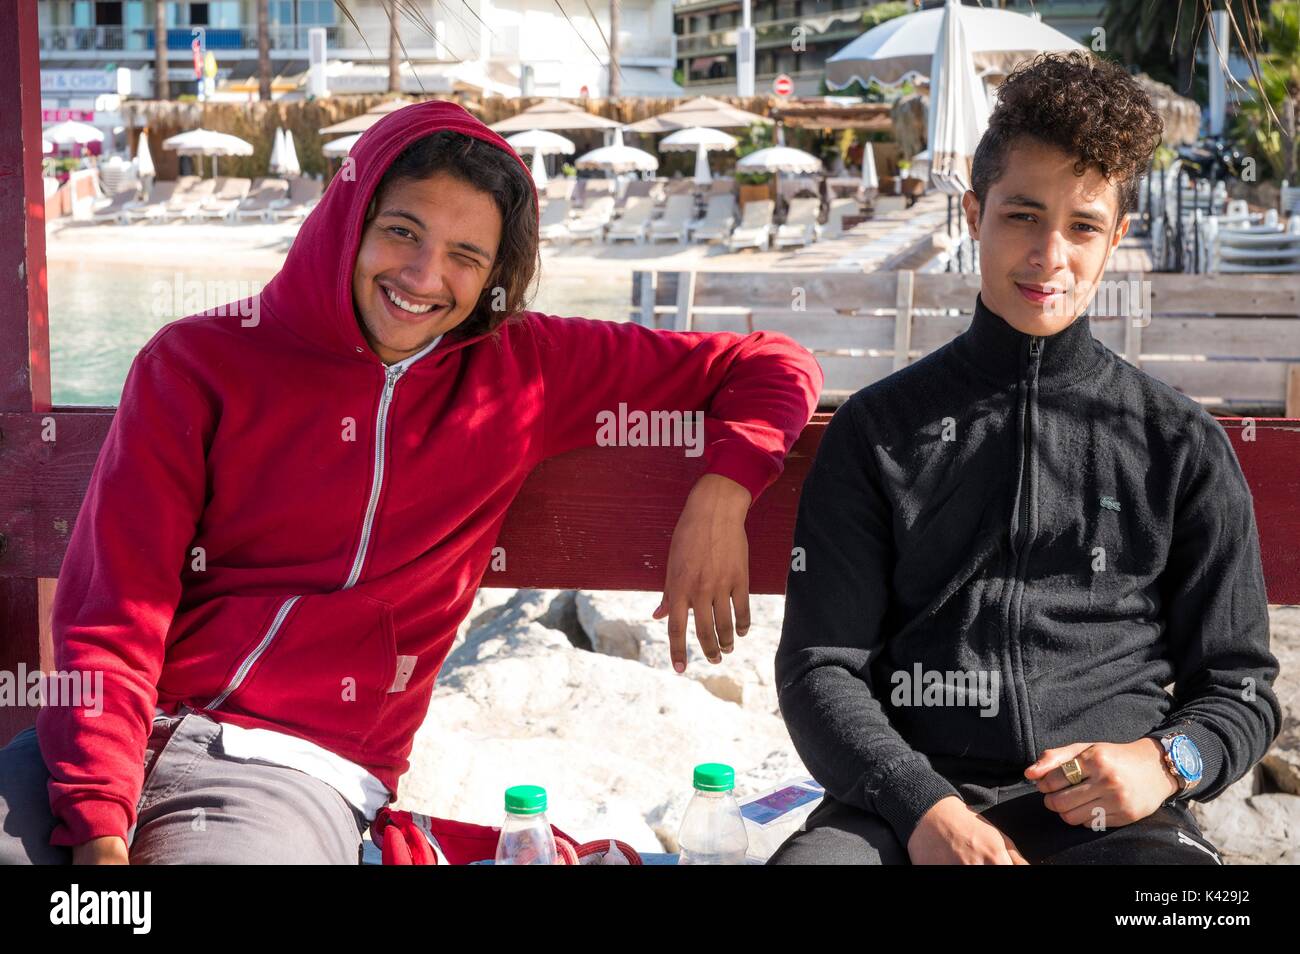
526,837
713,830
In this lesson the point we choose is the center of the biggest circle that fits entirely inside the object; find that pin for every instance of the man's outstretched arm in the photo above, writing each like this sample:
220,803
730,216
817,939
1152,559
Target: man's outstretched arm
1216,610
835,602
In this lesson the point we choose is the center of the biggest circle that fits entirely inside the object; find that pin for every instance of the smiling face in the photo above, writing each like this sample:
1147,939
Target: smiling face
425,257
1045,236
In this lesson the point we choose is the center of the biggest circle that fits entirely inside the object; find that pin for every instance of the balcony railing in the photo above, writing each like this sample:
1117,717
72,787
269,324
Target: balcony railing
116,38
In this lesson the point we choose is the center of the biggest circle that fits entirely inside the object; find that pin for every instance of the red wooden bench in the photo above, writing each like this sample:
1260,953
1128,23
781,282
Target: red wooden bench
592,519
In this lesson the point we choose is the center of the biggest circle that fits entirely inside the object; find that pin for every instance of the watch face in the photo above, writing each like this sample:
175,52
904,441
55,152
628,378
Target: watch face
1186,757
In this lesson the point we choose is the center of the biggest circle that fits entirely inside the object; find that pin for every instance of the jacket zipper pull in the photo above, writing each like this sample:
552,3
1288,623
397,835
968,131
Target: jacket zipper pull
1035,347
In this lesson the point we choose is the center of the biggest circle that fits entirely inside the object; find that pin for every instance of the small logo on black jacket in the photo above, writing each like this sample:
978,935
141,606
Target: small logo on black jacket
1110,503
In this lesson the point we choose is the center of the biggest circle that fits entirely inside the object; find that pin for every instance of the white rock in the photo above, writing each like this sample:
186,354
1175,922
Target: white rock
1251,828
620,623
613,741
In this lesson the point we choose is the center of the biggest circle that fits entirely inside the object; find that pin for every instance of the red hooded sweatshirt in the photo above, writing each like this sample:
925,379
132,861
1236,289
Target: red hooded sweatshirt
276,516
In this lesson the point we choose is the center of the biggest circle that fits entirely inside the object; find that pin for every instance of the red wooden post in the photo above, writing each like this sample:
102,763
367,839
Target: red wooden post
24,330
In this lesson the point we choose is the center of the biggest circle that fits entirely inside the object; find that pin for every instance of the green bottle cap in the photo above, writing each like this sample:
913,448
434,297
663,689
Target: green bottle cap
526,800
714,777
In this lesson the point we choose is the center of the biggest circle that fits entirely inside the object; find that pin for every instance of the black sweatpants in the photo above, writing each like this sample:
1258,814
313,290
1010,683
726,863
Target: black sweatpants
839,834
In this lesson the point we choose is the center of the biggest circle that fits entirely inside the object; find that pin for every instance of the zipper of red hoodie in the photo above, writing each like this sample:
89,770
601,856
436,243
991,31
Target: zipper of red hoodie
391,375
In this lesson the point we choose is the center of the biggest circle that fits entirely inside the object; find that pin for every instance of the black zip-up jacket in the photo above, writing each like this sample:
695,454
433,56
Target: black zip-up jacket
1037,513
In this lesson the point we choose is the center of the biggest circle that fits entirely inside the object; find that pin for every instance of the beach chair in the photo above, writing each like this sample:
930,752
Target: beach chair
264,195
636,189
1288,199
304,193
591,221
554,224
186,201
225,199
834,227
116,207
719,218
160,195
597,188
800,226
635,221
676,220
755,228
560,188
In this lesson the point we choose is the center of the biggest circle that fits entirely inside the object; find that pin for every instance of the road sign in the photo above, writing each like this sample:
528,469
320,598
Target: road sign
783,85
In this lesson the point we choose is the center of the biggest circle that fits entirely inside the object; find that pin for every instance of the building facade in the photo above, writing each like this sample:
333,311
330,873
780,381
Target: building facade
534,47
795,37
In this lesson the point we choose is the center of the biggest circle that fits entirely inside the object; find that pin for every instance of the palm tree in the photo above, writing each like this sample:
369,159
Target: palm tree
1279,89
394,49
263,50
1148,33
162,88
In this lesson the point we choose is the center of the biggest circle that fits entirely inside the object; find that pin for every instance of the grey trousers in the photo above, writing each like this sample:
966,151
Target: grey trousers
198,806
838,834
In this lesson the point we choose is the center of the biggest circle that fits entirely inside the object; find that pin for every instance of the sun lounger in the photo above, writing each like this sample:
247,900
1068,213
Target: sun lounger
591,222
834,227
755,228
304,193
554,225
265,194
561,188
116,207
158,198
635,220
719,217
186,202
229,193
800,226
676,220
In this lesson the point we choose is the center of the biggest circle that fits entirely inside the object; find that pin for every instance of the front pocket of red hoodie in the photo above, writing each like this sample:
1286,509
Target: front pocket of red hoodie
323,673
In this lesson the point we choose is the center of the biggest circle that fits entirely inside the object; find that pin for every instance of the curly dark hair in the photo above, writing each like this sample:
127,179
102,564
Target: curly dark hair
1085,106
491,170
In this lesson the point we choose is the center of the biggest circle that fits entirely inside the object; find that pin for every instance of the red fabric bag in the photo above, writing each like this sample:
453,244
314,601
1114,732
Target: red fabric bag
409,838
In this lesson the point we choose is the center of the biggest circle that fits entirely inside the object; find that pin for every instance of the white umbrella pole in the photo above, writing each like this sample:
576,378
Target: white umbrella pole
539,169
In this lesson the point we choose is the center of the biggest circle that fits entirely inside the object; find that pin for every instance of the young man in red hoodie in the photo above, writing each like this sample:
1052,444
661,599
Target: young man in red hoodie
298,498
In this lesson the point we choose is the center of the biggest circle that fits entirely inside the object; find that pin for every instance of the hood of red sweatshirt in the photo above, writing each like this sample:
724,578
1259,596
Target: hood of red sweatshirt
312,292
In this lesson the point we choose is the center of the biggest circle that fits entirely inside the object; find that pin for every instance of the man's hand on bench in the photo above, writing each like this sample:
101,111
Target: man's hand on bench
108,850
708,569
1122,782
951,834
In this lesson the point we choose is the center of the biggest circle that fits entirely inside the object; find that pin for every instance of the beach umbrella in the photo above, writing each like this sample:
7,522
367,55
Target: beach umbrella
72,133
703,111
543,141
288,155
539,169
46,145
143,157
208,142
870,181
340,147
702,139
618,158
359,124
959,111
778,159
553,114
277,152
903,47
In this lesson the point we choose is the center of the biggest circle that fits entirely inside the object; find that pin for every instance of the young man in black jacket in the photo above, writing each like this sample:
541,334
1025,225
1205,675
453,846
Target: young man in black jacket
1007,550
